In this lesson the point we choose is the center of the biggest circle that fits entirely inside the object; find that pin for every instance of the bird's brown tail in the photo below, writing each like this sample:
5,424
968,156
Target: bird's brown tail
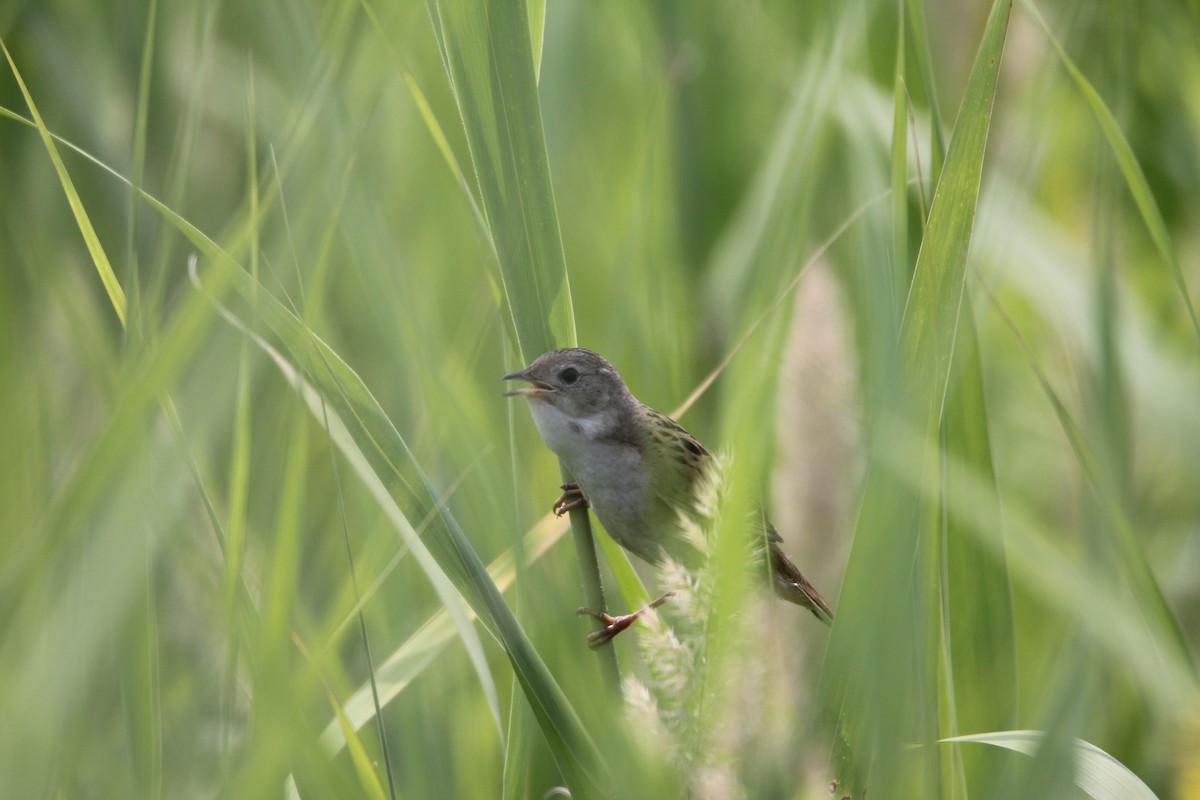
792,586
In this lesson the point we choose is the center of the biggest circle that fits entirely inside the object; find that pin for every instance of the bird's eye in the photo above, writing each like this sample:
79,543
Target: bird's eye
569,375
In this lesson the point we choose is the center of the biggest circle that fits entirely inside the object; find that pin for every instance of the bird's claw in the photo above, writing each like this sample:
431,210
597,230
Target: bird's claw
572,498
614,625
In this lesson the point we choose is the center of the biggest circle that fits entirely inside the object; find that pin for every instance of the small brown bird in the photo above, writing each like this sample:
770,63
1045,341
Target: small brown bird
635,468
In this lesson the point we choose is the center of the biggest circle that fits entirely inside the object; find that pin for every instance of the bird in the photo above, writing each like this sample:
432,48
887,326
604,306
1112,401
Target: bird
636,468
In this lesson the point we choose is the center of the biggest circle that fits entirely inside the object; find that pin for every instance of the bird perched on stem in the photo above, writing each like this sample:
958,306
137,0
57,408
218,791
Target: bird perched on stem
635,467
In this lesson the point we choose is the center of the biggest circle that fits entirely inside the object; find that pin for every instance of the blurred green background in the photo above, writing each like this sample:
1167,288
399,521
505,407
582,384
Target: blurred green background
177,614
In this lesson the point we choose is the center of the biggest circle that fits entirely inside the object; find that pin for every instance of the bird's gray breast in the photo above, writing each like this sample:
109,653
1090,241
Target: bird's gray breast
610,471
612,477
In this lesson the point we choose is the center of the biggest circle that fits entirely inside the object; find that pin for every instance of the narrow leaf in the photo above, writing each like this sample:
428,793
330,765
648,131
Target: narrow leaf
1096,772
116,294
489,58
1135,179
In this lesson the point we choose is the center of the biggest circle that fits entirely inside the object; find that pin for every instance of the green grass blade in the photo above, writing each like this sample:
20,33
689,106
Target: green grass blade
931,313
404,664
761,237
112,286
142,388
282,570
1130,556
362,762
923,51
1135,179
141,122
537,34
979,682
1096,772
518,746
434,126
376,706
1037,559
489,58
900,273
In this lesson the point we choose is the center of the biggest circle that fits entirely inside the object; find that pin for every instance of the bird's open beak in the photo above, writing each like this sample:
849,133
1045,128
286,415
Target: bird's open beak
536,388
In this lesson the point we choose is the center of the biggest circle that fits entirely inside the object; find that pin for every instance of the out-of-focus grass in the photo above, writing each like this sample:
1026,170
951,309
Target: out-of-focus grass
173,527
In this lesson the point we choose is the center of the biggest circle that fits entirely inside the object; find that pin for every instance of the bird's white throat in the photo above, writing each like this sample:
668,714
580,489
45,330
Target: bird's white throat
564,433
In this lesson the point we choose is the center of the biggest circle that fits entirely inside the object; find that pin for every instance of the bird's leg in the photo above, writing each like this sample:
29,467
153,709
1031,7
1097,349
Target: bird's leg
572,497
614,625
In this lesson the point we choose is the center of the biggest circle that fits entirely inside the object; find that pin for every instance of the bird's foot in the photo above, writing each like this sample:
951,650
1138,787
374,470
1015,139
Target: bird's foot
614,625
572,497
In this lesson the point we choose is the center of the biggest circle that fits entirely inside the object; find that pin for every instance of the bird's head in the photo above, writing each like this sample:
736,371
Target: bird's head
575,389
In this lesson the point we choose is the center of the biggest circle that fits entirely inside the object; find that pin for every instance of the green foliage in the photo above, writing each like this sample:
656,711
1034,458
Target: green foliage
392,205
